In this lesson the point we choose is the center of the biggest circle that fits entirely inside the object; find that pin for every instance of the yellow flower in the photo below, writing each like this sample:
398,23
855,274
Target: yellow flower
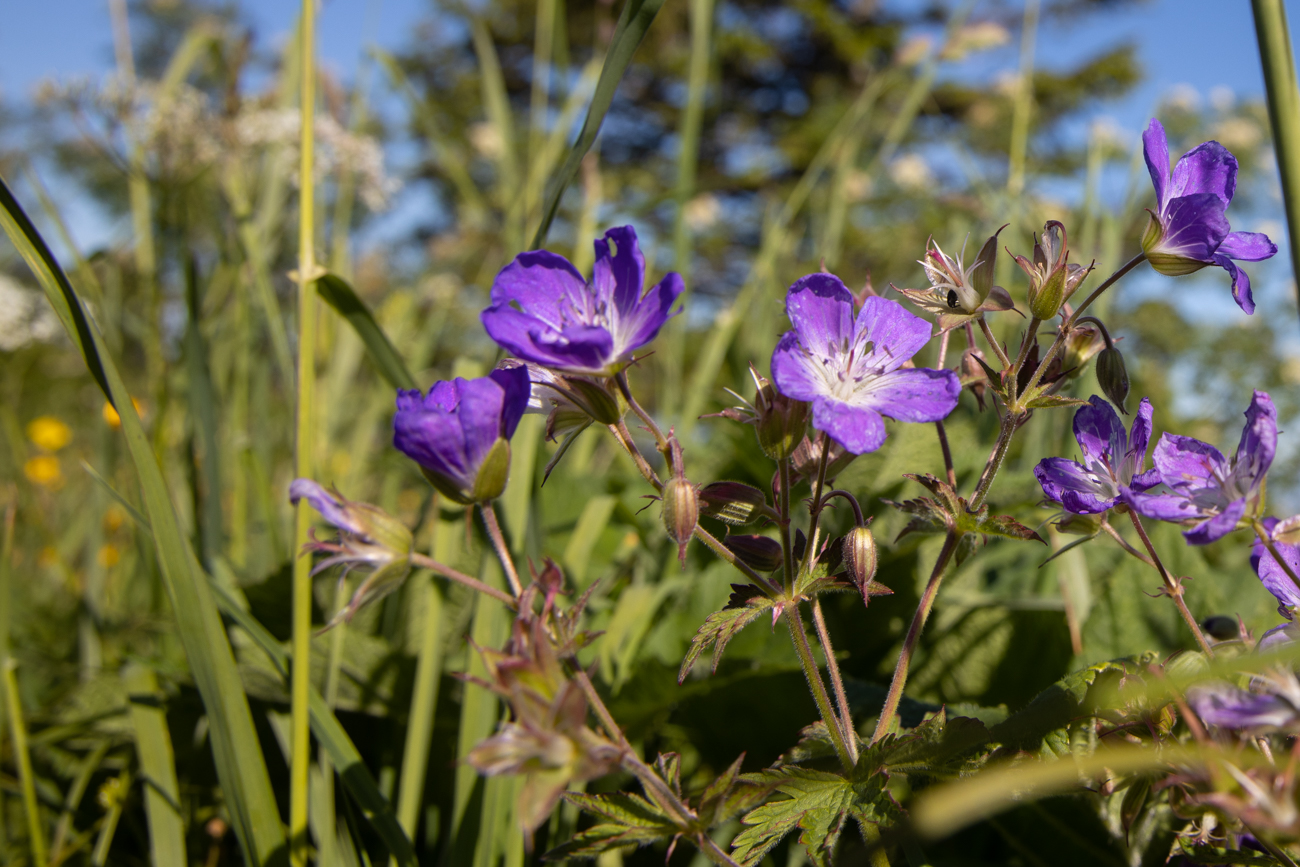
48,433
108,556
114,420
44,470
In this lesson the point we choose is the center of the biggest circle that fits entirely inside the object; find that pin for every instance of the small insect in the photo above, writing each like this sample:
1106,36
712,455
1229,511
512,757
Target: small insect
953,302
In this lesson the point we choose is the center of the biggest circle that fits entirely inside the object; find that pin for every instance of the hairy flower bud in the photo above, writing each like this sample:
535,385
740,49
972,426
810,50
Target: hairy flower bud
1113,377
757,552
732,502
1045,300
860,555
681,502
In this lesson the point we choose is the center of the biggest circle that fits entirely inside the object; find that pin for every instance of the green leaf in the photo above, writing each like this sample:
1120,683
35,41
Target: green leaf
632,820
938,747
622,808
748,602
632,25
338,294
602,838
241,767
818,803
1047,401
1007,527
714,799
153,746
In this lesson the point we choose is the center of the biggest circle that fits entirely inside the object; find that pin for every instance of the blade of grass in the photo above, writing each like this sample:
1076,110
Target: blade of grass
1275,55
419,723
633,22
236,750
304,463
18,731
89,765
339,295
497,101
153,746
204,419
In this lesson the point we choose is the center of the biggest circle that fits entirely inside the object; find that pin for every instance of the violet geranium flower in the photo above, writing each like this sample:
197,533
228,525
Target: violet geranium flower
1112,460
1189,228
460,432
1197,483
851,370
544,312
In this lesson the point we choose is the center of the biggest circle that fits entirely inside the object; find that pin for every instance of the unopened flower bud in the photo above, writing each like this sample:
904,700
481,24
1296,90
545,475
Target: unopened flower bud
1079,525
1083,343
757,552
732,502
681,512
1045,300
1112,377
860,556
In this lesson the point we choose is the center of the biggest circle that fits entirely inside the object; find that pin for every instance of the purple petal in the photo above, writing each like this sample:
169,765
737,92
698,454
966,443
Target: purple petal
480,413
915,394
1184,461
1275,579
1277,637
1086,503
1161,504
1070,484
896,333
796,373
516,388
1145,481
1240,282
1220,525
575,348
1248,246
434,440
540,282
1257,548
857,429
444,395
1100,432
1206,168
331,508
1155,150
1138,438
641,325
1258,442
820,308
619,277
1195,226
1231,707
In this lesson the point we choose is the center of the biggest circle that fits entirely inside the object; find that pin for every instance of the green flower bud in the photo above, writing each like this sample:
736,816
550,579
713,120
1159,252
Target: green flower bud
1046,300
860,556
1112,377
757,552
1079,525
732,502
681,513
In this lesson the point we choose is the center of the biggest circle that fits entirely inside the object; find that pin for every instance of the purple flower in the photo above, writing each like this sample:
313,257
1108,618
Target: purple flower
1221,704
1112,460
544,312
851,371
1275,578
459,434
1189,228
1199,484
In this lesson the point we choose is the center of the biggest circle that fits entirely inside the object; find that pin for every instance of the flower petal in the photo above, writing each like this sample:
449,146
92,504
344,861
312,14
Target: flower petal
795,372
1161,504
915,394
619,276
1195,226
1274,577
1231,707
1258,442
641,324
433,440
1139,437
575,348
1069,483
1206,168
1240,282
1085,503
539,282
515,392
1184,461
1155,150
480,413
858,429
331,508
1100,433
1277,637
897,335
1218,526
820,308
1248,246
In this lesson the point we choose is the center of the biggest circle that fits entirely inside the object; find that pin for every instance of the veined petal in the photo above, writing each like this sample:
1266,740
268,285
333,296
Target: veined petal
1085,503
641,324
1161,504
820,308
1155,150
577,348
1258,442
434,440
858,429
481,405
896,334
539,282
619,276
1277,637
1206,168
1240,282
915,394
1061,476
1274,577
1100,433
796,373
1186,461
1248,246
1195,226
1216,527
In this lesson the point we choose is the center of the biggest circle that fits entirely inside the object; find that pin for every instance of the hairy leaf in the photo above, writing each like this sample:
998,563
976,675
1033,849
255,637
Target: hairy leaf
722,626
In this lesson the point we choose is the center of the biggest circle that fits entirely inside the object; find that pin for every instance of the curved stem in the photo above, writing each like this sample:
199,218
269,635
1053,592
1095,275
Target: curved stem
727,554
660,440
1262,533
994,464
624,437
947,453
837,682
913,637
853,502
1172,587
795,621
815,511
1124,543
460,577
499,543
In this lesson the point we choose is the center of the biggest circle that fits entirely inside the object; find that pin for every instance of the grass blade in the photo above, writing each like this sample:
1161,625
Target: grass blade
633,23
240,765
1276,56
18,729
153,746
419,726
339,295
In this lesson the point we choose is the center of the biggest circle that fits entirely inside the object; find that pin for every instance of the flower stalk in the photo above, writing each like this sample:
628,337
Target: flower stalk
1173,589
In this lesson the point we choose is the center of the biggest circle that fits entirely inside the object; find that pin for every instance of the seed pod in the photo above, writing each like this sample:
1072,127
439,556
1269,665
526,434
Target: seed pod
757,552
1113,377
681,512
732,502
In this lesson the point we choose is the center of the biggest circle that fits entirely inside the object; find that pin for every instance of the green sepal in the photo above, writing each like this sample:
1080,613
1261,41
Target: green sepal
493,472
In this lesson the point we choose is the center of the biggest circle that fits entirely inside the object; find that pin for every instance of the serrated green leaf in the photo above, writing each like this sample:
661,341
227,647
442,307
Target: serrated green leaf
715,793
940,489
621,808
720,627
1007,527
818,803
939,746
669,766
602,838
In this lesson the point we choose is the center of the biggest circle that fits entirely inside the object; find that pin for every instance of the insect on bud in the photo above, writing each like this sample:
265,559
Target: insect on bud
757,552
1113,377
732,502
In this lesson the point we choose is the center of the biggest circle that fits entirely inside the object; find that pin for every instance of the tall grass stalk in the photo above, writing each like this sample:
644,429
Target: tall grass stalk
1278,60
18,729
300,738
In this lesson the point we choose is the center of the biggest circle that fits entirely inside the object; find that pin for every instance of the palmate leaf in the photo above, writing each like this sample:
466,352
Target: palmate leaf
747,603
940,746
629,820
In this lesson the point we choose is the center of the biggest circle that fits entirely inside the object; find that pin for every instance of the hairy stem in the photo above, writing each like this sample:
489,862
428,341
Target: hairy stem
814,522
624,437
660,440
1172,587
993,342
947,453
499,543
810,670
460,577
896,685
787,548
994,464
1124,543
837,682
727,554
